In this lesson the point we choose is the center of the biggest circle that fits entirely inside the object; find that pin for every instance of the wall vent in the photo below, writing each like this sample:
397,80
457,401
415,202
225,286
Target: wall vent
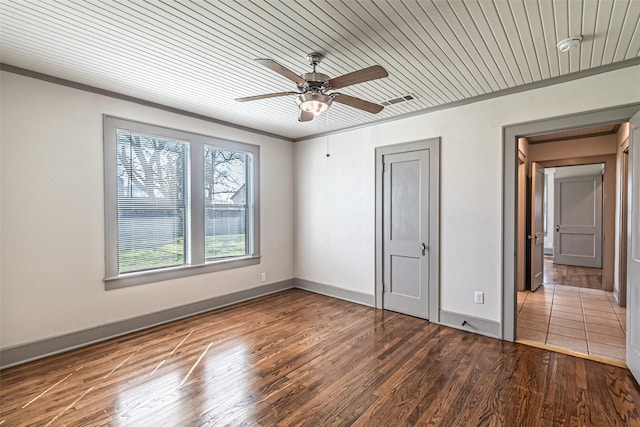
398,100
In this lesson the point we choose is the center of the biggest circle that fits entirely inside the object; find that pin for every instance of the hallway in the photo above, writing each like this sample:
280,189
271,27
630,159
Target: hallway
579,319
569,275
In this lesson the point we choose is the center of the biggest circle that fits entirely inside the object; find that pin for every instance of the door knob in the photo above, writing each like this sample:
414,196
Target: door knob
423,247
557,227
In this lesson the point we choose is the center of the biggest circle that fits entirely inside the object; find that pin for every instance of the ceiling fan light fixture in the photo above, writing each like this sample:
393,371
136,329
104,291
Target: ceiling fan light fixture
314,103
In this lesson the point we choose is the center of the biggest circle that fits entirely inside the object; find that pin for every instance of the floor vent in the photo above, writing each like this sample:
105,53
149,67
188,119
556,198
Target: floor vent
398,100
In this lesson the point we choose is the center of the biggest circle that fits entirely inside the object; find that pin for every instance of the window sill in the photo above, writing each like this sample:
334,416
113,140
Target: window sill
144,277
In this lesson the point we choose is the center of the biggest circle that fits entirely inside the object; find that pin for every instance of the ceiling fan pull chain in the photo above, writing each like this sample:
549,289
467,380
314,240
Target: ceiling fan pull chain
328,155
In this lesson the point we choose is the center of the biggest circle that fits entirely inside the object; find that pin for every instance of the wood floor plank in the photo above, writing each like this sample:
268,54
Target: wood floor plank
298,358
570,275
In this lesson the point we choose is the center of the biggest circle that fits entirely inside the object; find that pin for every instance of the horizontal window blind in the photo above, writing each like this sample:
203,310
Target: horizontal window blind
151,201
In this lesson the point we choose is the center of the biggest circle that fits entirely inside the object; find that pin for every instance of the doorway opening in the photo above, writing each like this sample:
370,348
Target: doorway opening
573,225
568,301
566,155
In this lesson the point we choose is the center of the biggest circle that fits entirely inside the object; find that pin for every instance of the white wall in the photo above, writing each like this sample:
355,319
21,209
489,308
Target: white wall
51,276
334,201
52,214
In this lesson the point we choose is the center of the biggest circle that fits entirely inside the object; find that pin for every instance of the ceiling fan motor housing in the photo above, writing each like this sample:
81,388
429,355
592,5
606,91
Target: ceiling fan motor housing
315,82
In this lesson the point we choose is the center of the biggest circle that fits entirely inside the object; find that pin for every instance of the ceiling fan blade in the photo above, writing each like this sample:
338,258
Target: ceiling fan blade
354,102
371,73
268,95
305,116
282,70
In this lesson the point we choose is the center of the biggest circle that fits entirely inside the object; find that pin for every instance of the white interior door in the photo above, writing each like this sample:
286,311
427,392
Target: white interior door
578,217
633,251
406,233
536,238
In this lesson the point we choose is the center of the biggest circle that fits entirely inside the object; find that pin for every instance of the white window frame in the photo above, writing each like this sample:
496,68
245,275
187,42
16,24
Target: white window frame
195,257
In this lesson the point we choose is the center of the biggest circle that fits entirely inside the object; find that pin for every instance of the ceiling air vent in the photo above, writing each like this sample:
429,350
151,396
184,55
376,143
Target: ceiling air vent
398,100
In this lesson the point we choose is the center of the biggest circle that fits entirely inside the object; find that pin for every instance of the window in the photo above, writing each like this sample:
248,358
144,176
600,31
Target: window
225,192
176,203
151,200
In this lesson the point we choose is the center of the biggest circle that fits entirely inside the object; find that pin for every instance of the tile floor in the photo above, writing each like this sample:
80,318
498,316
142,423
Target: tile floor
579,319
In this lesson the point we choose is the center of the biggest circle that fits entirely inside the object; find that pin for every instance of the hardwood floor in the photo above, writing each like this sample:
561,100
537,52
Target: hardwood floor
298,358
569,275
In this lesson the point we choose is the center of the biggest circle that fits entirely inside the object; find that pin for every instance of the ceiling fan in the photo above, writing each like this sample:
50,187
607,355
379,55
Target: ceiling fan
314,96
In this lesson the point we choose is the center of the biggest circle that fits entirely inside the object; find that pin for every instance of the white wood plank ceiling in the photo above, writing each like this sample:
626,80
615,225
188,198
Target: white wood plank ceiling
198,55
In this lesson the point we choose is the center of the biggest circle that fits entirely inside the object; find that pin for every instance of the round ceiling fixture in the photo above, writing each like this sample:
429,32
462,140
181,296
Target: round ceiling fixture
569,43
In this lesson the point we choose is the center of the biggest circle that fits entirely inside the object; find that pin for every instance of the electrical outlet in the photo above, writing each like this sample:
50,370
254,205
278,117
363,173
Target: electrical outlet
479,297
263,277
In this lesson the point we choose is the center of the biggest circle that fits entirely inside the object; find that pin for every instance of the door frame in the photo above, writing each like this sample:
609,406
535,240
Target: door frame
510,135
432,144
